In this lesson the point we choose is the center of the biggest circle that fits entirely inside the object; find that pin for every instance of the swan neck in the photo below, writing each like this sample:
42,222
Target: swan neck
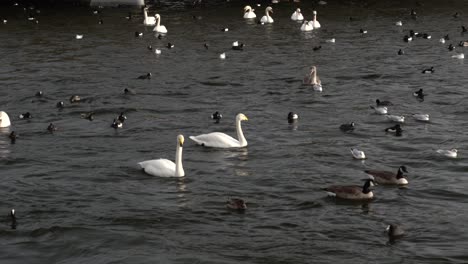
179,171
158,21
267,13
240,134
314,77
315,18
145,14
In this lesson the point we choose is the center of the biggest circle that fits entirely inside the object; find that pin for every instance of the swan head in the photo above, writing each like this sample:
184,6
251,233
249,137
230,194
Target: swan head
269,9
180,140
315,13
241,117
313,69
157,16
454,150
247,8
298,10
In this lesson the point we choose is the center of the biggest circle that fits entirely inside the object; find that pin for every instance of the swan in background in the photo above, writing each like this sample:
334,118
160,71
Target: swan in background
249,12
297,15
307,26
221,140
449,153
159,28
149,20
165,167
4,119
313,80
315,23
267,18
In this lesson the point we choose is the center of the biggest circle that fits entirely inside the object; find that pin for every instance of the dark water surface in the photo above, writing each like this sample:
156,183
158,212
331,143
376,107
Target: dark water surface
80,198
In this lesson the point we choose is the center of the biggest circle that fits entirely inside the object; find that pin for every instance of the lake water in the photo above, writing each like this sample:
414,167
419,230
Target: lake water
80,198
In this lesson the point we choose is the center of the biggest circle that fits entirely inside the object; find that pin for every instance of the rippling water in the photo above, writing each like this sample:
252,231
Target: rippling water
80,198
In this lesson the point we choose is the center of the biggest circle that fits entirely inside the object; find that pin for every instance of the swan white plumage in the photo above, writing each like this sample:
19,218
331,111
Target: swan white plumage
297,15
358,154
249,12
307,26
221,140
165,167
450,153
4,119
313,80
148,20
267,18
159,28
315,23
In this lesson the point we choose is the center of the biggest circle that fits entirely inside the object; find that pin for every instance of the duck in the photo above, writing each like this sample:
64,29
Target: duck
464,30
165,167
352,192
442,40
89,116
100,22
39,94
75,99
144,77
206,45
421,117
148,20
395,129
222,55
413,14
60,105
13,219
387,177
362,31
394,231
51,128
332,40
407,38
313,80
236,204
317,48
116,124
13,136
450,153
267,18
426,36
399,23
307,26
26,115
459,56
157,51
446,37
347,127
395,118
297,15
122,117
249,12
315,23
292,117
216,116
381,110
4,119
401,52
430,70
382,103
451,47
358,154
170,45
419,94
237,46
225,29
138,34
78,36
222,140
159,28
463,43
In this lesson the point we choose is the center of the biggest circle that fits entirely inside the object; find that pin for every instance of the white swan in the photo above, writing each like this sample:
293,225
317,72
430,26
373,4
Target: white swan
267,18
4,119
165,167
315,23
249,12
307,26
159,28
313,80
149,20
297,15
358,154
221,140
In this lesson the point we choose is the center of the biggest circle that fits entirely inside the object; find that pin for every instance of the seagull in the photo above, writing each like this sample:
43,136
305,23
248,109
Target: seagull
358,154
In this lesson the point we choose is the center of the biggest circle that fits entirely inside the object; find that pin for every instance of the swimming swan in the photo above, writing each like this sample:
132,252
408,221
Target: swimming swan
165,167
4,119
313,80
159,28
307,26
149,20
297,15
267,18
221,140
249,12
315,23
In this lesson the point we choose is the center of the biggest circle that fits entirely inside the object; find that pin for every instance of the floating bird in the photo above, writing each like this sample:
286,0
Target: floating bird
421,117
13,136
426,36
222,55
451,47
221,140
160,36
122,117
446,37
395,129
116,124
26,115
401,52
159,28
395,118
267,18
406,38
237,46
413,14
165,167
75,99
148,20
398,23
358,154
449,153
60,105
249,12
236,204
89,116
442,40
330,40
4,119
216,116
138,34
292,117
387,177
362,31
463,44
149,47
224,29
129,91
352,192
13,219
394,232
430,70
316,48
78,36
315,23
157,51
459,56
381,110
51,128
456,15
170,45
39,94
382,103
464,30
206,45
4,21
347,127
313,80
419,94
307,26
100,22
297,15
129,16
144,77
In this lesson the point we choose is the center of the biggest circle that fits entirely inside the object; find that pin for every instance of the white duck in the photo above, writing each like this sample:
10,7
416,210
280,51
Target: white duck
4,119
421,117
165,167
313,80
249,12
307,26
267,18
315,23
358,154
221,140
149,20
159,28
450,153
297,15
395,118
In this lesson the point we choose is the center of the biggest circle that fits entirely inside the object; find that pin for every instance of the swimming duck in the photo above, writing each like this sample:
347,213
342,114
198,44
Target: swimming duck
464,30
352,192
222,55
225,29
396,118
157,51
89,116
39,94
78,36
316,48
459,56
216,116
332,40
60,105
292,117
413,14
358,154
419,94
138,34
267,18
398,23
4,119
442,40
407,38
395,129
249,12
362,31
144,77
237,46
430,70
116,124
347,127
13,219
236,204
51,128
75,99
387,177
381,110
129,91
122,117
297,15
170,45
463,44
394,231
450,153
26,115
165,167
383,103
13,136
401,52
451,47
